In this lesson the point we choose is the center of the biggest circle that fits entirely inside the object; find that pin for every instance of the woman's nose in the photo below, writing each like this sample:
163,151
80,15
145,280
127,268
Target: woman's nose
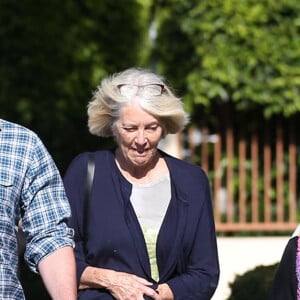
141,138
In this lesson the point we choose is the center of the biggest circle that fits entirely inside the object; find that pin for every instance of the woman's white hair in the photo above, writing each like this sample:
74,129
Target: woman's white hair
104,107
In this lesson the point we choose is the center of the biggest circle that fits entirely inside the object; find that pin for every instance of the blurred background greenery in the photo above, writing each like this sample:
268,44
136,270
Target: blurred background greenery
215,53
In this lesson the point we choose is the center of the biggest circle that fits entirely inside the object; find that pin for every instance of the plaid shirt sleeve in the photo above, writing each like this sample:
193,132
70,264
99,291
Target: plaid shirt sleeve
45,207
31,189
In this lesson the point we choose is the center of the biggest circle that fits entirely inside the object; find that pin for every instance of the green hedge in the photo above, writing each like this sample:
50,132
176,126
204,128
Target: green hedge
254,284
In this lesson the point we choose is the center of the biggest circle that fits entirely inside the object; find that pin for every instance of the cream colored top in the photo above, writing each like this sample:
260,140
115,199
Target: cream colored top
150,202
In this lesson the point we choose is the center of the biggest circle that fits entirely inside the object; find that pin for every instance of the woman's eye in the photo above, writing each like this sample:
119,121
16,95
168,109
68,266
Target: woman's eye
152,128
129,129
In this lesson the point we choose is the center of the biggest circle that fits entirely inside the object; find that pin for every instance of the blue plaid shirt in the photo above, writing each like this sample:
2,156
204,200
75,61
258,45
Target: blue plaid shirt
30,189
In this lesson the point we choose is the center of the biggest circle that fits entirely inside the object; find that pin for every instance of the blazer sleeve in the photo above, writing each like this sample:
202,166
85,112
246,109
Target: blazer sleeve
74,182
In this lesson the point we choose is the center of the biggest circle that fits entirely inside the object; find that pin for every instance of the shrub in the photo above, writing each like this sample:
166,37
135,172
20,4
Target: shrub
254,284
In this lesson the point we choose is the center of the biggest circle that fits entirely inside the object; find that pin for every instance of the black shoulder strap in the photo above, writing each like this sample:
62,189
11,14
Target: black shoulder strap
88,188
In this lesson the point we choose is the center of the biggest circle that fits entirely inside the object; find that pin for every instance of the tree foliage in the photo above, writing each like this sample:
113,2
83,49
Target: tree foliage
243,52
53,55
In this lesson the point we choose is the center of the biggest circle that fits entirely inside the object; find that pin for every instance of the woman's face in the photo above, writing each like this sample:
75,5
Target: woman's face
138,134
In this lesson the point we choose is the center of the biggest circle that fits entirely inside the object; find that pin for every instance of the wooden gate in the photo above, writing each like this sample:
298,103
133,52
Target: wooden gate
253,175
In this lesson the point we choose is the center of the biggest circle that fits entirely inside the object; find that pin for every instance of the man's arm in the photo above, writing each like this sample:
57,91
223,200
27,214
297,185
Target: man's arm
58,273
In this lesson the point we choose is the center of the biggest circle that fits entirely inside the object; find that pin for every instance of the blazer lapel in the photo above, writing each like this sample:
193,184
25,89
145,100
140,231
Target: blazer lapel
171,234
132,222
138,239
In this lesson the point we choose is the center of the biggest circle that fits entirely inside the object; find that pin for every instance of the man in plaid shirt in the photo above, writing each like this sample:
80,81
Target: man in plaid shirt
31,190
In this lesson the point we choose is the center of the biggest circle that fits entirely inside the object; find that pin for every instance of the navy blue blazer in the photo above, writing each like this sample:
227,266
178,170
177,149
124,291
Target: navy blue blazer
186,245
284,285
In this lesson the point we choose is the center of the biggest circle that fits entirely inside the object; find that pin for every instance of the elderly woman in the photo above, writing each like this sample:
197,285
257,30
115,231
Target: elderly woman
149,232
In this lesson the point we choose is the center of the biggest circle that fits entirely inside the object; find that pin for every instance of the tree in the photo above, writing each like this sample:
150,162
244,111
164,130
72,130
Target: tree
246,53
54,54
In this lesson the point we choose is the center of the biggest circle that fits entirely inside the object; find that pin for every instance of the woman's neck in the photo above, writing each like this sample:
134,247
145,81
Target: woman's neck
141,174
